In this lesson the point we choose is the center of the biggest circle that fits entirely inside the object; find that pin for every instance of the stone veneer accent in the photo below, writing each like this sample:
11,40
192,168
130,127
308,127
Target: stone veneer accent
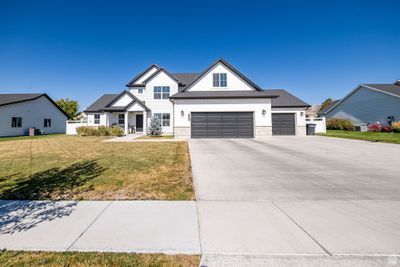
301,131
182,132
262,131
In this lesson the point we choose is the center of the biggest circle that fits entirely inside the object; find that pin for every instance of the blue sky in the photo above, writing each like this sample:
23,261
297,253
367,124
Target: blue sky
83,49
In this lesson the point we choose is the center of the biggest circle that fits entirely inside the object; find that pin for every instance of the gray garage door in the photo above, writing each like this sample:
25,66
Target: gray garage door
222,125
283,124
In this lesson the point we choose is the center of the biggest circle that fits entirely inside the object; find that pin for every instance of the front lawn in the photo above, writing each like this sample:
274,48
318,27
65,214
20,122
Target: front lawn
367,136
156,137
15,258
72,167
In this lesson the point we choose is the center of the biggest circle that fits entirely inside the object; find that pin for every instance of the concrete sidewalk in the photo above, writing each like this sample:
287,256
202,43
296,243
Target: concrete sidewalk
114,226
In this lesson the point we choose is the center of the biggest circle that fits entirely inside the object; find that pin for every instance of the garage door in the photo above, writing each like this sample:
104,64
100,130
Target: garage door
222,125
283,124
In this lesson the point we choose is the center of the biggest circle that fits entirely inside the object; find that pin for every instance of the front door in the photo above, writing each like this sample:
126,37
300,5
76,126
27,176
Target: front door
139,122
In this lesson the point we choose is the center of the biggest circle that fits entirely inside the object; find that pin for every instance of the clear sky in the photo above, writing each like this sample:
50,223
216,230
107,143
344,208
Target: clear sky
83,49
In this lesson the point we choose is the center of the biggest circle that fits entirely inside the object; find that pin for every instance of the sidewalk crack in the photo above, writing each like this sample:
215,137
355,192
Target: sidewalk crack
87,228
298,225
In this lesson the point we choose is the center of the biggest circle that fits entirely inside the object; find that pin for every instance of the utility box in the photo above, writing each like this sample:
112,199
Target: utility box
310,128
31,132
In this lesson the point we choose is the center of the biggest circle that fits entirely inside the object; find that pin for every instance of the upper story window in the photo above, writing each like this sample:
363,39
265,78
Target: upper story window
140,91
16,122
219,80
161,92
121,118
47,123
96,118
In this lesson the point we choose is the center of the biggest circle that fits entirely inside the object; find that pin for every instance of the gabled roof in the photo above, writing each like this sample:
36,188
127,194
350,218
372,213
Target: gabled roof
8,99
132,82
104,103
157,72
386,88
328,107
229,66
285,99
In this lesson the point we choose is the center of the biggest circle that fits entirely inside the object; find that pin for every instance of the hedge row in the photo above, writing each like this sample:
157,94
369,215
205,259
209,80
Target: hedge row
100,131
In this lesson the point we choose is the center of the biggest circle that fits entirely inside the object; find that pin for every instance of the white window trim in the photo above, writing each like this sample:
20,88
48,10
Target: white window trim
161,117
162,92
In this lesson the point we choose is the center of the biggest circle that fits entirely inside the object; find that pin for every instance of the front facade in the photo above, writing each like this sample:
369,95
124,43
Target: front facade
216,103
19,112
368,103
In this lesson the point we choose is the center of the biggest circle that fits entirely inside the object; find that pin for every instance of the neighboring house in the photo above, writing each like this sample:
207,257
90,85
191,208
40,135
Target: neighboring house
368,103
19,112
311,112
216,103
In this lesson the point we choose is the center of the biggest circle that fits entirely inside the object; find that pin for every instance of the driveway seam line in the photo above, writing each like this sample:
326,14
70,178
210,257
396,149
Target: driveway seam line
87,228
298,225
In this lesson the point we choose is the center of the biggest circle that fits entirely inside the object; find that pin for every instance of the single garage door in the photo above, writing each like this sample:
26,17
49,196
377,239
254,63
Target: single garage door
283,124
222,125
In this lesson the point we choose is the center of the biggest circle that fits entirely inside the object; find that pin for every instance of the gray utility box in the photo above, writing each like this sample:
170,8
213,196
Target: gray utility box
310,128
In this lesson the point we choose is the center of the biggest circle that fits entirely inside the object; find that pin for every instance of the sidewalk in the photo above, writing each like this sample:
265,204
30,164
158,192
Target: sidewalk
113,226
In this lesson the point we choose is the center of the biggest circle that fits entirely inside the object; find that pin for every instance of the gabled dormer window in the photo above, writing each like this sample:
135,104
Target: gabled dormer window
219,80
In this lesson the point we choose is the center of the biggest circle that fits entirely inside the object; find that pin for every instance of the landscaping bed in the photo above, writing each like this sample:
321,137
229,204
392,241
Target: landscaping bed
23,258
77,168
367,136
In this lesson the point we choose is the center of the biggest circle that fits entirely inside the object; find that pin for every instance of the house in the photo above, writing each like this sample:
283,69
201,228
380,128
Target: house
19,112
216,103
367,103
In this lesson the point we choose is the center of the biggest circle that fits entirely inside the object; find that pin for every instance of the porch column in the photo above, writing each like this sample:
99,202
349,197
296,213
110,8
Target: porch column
145,122
126,123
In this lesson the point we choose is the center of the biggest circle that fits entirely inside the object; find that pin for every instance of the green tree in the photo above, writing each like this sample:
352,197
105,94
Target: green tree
326,103
69,106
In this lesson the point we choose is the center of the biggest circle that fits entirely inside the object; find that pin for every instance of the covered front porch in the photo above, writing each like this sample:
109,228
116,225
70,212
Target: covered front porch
130,121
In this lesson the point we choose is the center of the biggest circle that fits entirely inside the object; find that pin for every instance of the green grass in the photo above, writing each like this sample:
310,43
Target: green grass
53,259
367,136
75,168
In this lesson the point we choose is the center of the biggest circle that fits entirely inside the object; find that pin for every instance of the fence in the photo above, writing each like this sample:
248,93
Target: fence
320,124
72,125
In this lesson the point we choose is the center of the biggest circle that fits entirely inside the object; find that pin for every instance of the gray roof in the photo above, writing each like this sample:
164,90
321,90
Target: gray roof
328,107
222,94
185,78
6,99
285,99
100,103
386,87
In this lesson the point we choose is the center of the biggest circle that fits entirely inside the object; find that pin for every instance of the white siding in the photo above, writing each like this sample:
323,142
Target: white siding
90,119
367,106
123,101
234,82
33,113
220,105
146,75
300,120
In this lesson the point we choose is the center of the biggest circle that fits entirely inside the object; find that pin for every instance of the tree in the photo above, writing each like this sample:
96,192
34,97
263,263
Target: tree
326,103
155,127
70,107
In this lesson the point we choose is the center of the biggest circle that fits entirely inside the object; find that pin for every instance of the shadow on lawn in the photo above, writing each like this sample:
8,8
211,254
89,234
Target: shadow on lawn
55,183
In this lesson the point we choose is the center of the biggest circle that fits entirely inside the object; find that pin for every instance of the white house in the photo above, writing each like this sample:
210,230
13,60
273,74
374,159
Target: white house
216,103
19,112
367,103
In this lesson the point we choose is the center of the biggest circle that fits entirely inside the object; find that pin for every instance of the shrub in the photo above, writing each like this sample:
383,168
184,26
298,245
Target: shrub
386,129
374,127
396,126
103,131
155,128
339,124
117,131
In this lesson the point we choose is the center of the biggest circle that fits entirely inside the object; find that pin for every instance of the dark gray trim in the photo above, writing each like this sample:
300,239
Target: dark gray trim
141,74
135,100
157,72
233,69
222,94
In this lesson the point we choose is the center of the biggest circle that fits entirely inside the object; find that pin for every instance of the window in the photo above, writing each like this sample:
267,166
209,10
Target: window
219,80
16,122
164,117
47,123
121,118
96,118
140,91
161,92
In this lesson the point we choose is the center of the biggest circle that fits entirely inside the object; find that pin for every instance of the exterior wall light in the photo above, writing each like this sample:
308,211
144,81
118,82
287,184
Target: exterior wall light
182,113
188,116
264,112
302,113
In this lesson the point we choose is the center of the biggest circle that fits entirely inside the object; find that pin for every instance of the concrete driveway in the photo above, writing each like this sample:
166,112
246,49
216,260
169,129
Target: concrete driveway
297,195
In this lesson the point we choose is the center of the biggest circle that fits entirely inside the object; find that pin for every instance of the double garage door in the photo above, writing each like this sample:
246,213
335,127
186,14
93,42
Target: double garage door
237,124
222,125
